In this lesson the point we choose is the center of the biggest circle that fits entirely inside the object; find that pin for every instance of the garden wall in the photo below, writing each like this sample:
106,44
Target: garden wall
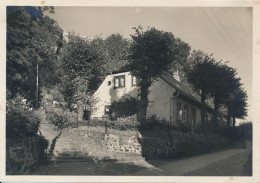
23,154
172,144
125,142
157,143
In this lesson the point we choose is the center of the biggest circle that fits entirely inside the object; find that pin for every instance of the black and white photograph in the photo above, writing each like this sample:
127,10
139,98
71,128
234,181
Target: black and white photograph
143,91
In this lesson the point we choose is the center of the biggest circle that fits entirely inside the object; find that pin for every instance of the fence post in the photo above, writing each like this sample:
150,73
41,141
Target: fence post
106,127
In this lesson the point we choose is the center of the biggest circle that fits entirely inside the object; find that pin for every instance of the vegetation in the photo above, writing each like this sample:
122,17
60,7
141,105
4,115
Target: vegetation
33,44
82,71
116,50
214,79
20,121
126,106
38,58
198,71
152,52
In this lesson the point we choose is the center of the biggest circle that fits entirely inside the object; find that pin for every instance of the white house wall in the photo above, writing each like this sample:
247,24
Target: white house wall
106,94
161,100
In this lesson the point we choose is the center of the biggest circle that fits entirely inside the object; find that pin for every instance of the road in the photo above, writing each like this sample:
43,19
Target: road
187,166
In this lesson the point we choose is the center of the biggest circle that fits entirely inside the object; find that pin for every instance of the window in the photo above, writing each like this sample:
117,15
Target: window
134,81
206,118
185,114
107,109
179,112
120,81
193,115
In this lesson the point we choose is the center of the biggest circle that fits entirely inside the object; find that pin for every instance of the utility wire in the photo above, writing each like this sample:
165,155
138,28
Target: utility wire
211,21
249,42
226,34
232,22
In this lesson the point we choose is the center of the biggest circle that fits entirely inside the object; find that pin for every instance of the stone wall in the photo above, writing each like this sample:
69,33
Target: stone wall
172,144
23,154
158,143
130,146
113,142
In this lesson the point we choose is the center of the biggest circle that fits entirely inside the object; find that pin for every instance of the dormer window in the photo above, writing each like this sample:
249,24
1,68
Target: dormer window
120,81
134,81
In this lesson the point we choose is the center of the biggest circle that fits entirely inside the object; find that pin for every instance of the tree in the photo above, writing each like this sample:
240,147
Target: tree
33,40
153,52
117,51
222,83
214,79
236,103
199,74
82,70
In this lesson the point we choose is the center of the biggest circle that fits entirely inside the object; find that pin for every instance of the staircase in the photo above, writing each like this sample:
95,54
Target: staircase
64,146
64,149
68,146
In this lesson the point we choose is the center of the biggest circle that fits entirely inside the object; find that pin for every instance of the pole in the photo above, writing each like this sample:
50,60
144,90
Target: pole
37,86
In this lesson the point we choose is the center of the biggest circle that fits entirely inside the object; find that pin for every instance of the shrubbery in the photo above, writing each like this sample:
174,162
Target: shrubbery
20,121
127,106
123,123
59,117
244,131
153,123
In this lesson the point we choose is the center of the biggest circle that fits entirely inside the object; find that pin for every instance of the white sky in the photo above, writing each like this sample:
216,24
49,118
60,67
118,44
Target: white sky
225,32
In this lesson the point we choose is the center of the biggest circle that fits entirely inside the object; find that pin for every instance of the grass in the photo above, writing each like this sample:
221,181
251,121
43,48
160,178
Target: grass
100,129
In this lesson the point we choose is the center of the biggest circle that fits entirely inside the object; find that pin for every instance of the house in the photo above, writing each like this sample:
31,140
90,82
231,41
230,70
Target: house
169,99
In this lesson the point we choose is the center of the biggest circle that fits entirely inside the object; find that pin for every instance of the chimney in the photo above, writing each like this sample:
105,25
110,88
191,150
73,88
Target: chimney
176,75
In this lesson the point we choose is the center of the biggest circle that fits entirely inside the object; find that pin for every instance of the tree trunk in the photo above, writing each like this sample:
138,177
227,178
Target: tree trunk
202,108
215,114
37,86
80,112
234,121
228,117
143,103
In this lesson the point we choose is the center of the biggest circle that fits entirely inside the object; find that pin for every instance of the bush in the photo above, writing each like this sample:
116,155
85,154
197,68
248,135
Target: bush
123,123
154,123
246,130
60,118
20,121
127,106
238,133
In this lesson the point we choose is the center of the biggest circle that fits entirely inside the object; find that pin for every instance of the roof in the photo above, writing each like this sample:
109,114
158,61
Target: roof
123,68
185,90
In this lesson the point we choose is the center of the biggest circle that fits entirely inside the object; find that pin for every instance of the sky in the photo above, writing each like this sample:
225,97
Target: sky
224,31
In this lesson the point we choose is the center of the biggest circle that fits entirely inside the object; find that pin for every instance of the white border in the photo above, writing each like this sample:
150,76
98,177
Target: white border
148,3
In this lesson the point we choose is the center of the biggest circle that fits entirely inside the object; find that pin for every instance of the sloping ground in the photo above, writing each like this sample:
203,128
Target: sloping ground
65,146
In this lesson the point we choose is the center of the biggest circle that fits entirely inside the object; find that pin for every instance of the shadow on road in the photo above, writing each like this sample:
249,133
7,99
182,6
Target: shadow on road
76,163
53,143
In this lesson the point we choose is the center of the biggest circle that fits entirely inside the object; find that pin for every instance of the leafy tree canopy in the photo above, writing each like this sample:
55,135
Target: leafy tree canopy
82,67
31,38
117,51
153,52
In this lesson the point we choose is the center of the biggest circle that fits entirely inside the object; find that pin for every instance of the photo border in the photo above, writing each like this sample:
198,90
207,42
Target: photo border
255,4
